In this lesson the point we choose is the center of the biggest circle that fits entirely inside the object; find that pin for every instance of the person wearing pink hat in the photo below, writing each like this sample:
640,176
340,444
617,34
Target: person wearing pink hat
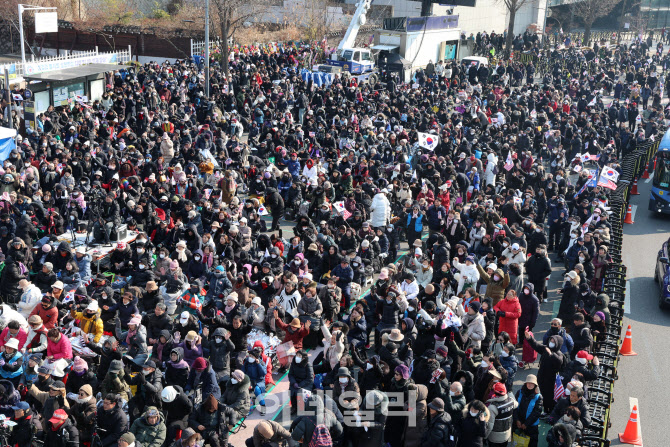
135,337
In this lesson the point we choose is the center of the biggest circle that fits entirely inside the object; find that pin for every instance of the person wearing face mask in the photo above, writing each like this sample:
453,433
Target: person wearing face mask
255,371
474,424
530,309
570,295
496,282
83,412
551,363
90,322
301,377
527,414
149,388
509,311
80,376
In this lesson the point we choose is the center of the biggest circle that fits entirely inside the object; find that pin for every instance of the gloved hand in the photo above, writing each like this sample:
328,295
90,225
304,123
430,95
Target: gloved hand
500,313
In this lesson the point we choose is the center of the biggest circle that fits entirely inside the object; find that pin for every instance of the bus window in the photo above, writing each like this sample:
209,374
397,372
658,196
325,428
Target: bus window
662,172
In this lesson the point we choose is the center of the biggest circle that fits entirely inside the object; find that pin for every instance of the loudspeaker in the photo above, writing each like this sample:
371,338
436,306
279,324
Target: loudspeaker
121,232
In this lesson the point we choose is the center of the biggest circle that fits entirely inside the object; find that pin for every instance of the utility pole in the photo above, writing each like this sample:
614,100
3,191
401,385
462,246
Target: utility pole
207,48
9,99
426,8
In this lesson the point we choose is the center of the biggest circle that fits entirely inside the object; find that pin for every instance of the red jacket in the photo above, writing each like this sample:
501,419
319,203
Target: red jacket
296,337
266,361
49,316
510,322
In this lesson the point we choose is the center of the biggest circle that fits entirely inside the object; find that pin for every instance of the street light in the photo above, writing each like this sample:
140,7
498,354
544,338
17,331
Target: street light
30,8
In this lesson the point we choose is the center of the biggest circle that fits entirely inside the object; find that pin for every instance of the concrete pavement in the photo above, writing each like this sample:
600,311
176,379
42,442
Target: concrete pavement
642,377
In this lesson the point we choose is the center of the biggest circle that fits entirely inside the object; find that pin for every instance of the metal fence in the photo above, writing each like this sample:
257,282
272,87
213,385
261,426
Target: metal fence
601,390
74,59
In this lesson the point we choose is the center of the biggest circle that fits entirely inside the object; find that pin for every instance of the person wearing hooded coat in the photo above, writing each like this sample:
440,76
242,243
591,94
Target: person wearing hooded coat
562,431
415,430
380,210
203,378
147,434
220,349
302,428
300,376
495,284
236,396
552,361
530,309
176,368
602,305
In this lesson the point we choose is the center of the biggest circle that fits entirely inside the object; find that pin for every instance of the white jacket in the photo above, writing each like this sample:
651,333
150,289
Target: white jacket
469,274
411,290
489,176
30,298
519,258
380,210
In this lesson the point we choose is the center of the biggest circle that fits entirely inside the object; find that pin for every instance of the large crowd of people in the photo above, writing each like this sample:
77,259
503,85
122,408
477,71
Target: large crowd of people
175,337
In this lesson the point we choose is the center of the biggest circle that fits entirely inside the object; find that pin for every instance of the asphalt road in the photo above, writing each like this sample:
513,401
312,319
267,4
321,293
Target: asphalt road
641,378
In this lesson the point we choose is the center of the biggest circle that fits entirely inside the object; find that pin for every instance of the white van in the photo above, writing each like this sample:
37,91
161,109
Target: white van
476,61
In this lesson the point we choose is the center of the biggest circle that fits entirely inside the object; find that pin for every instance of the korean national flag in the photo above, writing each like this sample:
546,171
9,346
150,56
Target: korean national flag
428,141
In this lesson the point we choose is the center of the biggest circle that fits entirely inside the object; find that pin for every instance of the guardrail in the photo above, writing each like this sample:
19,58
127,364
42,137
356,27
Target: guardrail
601,390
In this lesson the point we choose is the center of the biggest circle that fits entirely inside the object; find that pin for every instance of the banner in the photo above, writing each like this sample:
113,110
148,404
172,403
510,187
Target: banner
32,68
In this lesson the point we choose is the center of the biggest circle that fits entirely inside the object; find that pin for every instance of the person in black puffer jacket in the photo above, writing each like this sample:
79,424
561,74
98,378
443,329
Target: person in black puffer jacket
151,297
79,376
300,376
177,409
112,421
149,384
156,321
106,302
220,348
108,353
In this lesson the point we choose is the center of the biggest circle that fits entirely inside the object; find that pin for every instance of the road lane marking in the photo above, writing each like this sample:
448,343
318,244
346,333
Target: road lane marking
649,179
633,210
626,299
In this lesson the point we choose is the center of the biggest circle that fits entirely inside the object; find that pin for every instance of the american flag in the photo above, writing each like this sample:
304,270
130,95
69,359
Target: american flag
509,163
559,391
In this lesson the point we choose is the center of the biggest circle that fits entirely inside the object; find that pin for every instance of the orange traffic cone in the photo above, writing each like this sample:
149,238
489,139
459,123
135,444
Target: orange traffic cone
645,174
629,216
633,190
627,346
632,434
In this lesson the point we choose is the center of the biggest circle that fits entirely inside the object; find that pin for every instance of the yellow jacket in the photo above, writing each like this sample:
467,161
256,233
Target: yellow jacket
92,326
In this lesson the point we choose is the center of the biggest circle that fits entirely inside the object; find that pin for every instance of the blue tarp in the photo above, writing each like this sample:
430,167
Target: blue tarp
318,77
7,142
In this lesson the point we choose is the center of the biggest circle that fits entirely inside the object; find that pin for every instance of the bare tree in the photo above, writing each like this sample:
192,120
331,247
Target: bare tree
513,6
230,15
590,10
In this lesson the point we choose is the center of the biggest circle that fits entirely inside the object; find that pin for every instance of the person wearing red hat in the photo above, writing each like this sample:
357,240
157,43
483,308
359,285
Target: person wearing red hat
501,406
202,379
61,432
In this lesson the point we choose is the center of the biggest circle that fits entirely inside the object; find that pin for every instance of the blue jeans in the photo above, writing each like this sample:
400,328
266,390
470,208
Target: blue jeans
259,390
